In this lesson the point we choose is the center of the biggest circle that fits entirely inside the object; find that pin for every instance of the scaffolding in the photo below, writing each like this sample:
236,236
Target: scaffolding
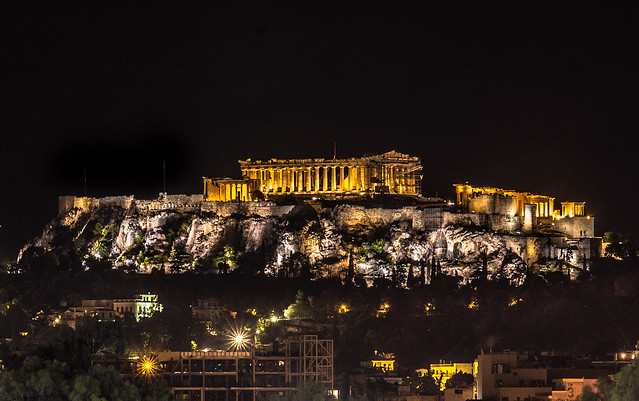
310,359
247,376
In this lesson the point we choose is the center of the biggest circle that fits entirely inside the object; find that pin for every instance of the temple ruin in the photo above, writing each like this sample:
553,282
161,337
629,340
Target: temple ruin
388,173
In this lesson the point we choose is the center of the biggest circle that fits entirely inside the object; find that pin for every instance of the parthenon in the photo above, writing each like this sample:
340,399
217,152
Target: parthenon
391,172
388,173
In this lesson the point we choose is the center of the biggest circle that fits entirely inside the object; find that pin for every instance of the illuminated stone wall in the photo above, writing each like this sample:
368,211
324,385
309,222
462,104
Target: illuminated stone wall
495,222
466,195
66,203
391,172
537,211
576,227
493,204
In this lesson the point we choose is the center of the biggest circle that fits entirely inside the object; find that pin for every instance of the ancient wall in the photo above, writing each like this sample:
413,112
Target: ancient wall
115,201
481,203
530,217
591,247
349,217
185,203
428,218
263,209
576,227
85,203
495,222
493,204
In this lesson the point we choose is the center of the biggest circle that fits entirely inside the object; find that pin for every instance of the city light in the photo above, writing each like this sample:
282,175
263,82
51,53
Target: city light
147,366
239,339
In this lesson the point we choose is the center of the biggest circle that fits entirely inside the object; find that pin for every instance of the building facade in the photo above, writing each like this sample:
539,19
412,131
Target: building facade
144,305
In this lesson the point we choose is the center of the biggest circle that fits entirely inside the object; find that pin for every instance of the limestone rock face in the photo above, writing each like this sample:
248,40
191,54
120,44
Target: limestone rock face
345,240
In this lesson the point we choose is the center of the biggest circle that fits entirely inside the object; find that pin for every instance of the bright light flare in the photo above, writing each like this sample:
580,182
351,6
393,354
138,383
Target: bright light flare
148,366
239,339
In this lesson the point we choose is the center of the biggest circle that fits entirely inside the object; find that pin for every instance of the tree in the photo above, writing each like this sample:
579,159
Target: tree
300,309
312,391
35,379
423,384
104,384
604,389
620,246
588,395
460,379
626,387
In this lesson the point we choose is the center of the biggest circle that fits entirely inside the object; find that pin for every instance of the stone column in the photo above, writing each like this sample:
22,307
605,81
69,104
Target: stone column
317,179
333,178
341,179
287,182
273,186
347,184
300,179
308,180
352,178
325,183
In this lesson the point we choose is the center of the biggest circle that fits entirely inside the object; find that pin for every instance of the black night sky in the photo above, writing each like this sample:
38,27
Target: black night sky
534,96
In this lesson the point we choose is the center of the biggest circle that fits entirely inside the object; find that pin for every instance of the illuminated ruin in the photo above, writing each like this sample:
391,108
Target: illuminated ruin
537,212
388,173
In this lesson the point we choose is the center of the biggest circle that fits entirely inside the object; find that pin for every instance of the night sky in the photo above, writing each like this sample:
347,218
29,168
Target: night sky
534,96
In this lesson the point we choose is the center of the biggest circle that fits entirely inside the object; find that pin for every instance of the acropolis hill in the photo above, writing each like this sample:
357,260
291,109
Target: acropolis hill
359,218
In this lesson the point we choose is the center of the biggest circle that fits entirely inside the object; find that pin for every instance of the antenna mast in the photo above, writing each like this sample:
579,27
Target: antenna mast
163,175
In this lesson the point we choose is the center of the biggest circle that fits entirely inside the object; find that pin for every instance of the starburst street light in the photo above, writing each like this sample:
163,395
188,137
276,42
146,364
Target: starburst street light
147,366
239,339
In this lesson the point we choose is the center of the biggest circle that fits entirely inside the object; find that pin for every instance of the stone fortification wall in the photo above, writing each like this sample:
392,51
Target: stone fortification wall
493,204
182,203
496,222
576,227
115,201
85,203
185,203
428,218
262,209
351,217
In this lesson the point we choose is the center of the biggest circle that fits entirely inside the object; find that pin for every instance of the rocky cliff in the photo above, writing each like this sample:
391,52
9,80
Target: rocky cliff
405,245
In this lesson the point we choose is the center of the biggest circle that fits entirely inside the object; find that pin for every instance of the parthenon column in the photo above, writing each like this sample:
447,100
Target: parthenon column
325,183
333,178
273,187
288,179
355,180
341,178
317,180
300,179
308,187
292,178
